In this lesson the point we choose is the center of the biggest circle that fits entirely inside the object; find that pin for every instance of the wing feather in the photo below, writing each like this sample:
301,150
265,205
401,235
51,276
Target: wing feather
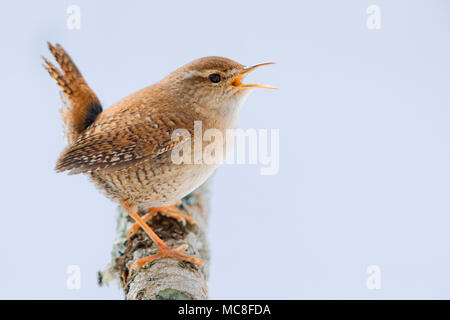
112,143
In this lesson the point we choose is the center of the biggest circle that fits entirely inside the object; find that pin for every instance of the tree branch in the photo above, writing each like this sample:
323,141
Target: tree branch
165,278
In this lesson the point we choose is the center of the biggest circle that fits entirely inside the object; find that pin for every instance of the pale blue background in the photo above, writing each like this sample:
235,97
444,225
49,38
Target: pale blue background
365,144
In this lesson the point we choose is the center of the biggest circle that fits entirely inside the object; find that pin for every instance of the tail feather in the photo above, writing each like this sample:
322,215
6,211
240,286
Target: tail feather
84,105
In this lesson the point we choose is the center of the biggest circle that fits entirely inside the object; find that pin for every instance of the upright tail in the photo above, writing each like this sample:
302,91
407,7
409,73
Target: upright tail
84,105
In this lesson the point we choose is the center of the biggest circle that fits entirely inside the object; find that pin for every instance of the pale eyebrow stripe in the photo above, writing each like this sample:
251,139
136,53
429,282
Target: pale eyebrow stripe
191,73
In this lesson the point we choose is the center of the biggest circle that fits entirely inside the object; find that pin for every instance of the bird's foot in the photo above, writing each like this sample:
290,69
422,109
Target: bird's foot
168,211
175,213
165,252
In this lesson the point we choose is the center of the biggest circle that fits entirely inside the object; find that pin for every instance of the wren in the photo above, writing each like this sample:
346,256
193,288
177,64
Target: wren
126,149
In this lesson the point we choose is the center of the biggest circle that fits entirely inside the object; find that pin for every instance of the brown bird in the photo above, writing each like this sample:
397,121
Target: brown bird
126,149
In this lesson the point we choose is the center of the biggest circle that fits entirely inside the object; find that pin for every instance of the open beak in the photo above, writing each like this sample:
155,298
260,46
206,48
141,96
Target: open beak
237,83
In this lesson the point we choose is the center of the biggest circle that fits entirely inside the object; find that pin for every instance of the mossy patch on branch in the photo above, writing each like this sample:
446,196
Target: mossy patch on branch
172,294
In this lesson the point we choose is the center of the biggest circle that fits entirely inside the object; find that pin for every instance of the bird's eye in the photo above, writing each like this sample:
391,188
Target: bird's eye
214,77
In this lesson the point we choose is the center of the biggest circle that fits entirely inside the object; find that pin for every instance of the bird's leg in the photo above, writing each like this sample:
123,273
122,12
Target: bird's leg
135,227
164,250
168,211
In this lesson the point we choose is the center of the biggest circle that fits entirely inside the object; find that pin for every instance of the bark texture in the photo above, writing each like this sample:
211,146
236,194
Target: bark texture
165,278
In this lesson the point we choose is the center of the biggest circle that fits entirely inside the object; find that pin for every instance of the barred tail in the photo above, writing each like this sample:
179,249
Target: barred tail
84,105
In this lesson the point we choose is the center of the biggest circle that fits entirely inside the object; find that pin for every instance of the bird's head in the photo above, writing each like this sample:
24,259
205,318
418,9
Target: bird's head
214,82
